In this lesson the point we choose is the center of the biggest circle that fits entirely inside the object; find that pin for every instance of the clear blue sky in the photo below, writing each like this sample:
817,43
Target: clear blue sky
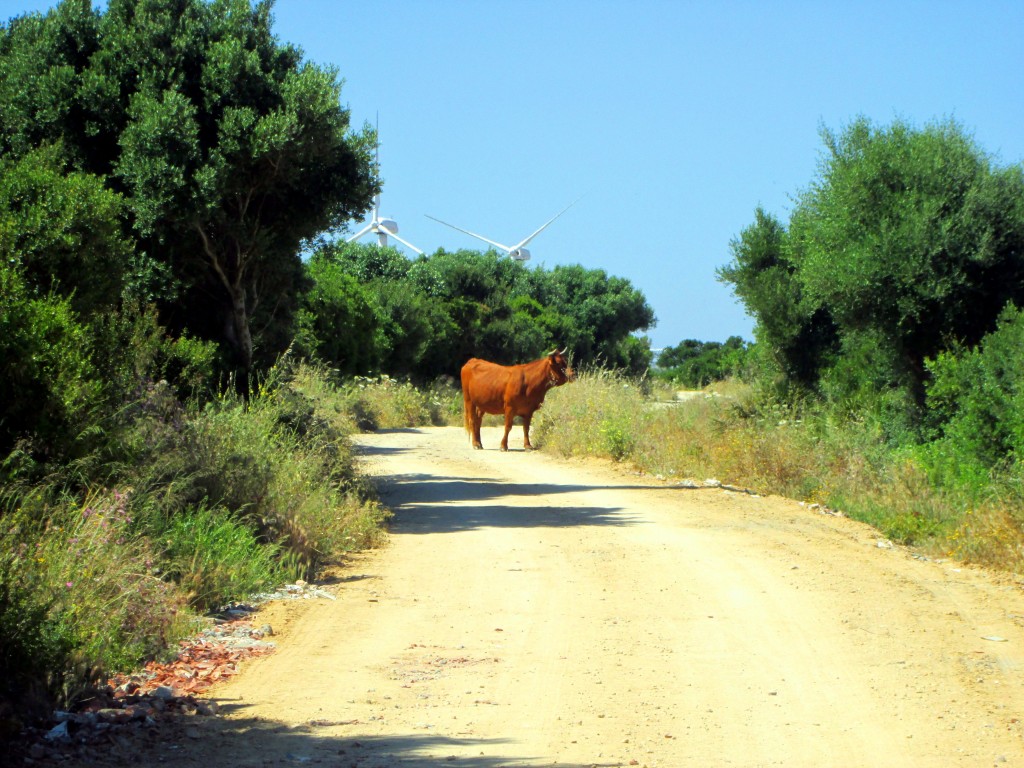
674,119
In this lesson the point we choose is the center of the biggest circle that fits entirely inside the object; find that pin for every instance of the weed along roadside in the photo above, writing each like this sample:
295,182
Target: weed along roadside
96,587
139,709
804,453
134,712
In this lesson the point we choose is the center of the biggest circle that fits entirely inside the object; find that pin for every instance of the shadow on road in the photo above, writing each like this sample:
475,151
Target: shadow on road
447,518
437,504
410,489
248,742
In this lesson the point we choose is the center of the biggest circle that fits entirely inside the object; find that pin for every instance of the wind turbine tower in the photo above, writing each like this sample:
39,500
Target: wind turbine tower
383,227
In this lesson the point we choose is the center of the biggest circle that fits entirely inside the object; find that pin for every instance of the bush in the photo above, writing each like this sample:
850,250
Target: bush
337,301
808,453
977,396
215,558
601,413
50,385
132,350
385,403
80,594
226,500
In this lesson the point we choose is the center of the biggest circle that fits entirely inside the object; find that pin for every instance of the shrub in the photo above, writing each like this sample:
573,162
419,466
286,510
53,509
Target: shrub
80,594
132,350
216,558
337,301
385,403
602,413
226,500
977,396
50,384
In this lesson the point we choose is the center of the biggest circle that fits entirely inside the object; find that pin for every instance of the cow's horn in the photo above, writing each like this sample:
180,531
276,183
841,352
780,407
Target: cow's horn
564,351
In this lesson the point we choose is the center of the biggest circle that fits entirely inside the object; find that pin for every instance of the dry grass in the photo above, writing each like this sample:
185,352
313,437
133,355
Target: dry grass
727,434
386,403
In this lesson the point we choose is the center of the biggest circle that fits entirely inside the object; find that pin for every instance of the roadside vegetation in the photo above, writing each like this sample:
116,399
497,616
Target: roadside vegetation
181,385
732,433
886,379
179,382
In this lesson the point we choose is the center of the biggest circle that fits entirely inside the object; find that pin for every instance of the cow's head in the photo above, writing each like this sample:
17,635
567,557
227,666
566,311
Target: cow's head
559,371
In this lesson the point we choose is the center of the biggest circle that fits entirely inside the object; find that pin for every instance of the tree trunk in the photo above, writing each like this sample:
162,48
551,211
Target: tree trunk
241,338
236,328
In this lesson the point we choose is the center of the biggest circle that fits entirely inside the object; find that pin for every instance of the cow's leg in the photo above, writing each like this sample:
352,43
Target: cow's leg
478,418
509,416
467,407
526,432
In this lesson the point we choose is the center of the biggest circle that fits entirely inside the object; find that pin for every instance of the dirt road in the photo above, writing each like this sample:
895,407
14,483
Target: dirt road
534,612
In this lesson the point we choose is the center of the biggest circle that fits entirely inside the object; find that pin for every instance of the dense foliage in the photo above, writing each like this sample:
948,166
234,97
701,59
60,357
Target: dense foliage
226,151
198,506
424,318
891,301
695,364
908,244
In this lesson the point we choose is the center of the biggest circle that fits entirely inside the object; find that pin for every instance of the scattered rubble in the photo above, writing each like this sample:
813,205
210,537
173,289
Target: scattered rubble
139,701
300,590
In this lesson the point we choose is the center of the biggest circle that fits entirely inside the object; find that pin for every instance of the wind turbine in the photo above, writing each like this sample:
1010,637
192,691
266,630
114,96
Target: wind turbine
382,227
519,252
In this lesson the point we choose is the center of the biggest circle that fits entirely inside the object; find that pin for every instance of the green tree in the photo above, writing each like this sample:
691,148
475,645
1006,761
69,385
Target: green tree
61,230
696,364
911,236
64,261
600,313
977,395
799,336
229,149
437,311
50,387
908,241
337,323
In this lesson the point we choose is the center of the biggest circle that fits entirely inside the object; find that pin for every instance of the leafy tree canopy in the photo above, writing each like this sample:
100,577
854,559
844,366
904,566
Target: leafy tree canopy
908,240
437,311
60,231
696,364
230,151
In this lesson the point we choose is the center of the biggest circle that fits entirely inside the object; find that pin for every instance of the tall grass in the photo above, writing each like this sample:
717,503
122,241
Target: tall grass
385,403
80,593
804,453
182,509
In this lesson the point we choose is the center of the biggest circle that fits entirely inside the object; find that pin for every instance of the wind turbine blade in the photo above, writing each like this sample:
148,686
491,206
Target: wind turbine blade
360,233
406,243
547,223
472,234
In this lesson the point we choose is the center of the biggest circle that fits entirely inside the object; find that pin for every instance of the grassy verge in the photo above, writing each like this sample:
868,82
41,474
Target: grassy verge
181,510
810,456
184,509
385,403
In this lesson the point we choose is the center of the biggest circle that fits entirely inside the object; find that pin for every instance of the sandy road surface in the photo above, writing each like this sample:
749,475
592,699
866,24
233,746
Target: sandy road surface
533,612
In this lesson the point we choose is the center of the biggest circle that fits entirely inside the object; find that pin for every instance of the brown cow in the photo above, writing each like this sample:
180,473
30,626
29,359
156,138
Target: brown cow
514,390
